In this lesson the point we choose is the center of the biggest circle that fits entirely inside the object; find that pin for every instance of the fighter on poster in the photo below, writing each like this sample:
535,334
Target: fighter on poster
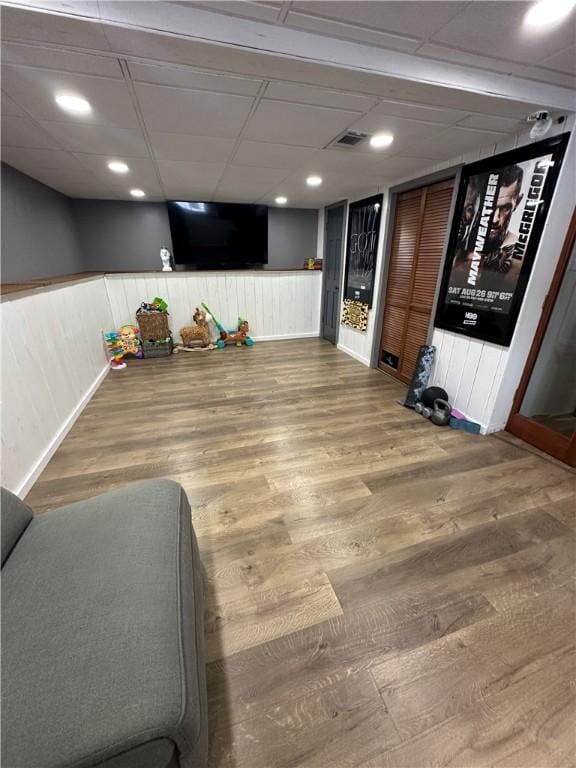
496,224
496,229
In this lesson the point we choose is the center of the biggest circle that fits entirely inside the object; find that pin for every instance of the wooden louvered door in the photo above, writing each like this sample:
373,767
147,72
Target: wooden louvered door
420,224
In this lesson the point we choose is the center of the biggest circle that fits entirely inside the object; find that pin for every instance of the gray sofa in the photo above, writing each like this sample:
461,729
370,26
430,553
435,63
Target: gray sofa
102,633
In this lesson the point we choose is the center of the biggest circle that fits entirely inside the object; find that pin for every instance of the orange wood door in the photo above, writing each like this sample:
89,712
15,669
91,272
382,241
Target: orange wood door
420,224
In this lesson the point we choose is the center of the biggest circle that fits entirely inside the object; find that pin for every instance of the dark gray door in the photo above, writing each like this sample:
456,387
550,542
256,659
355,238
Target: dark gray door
333,237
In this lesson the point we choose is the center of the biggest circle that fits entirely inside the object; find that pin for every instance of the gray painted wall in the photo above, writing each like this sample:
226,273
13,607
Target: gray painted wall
45,233
127,236
117,236
38,234
292,237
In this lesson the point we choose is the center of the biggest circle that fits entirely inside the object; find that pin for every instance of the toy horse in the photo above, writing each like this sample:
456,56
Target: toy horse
197,335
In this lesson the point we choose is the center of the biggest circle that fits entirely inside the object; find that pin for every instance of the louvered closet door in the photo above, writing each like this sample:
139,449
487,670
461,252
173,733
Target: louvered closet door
420,225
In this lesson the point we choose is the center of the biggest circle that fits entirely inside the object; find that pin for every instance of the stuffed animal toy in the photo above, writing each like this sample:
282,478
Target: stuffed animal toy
197,335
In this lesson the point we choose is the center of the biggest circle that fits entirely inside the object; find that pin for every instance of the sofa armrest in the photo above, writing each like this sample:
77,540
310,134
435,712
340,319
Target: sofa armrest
15,516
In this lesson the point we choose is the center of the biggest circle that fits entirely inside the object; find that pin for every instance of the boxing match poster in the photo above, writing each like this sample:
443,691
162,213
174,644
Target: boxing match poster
499,216
362,248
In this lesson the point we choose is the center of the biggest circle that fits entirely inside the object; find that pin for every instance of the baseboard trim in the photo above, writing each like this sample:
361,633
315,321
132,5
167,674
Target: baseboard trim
364,360
41,463
286,336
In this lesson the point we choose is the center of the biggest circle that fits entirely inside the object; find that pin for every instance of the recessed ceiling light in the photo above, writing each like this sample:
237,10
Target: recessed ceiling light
281,200
118,167
381,140
76,105
137,193
546,12
314,181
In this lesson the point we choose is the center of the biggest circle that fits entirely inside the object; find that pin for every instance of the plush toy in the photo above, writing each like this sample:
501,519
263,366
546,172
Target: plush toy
130,338
115,350
197,335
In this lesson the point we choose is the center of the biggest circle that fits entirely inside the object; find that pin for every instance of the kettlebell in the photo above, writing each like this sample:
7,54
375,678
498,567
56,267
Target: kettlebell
441,413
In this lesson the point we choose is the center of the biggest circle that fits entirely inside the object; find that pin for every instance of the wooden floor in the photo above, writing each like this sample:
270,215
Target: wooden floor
381,592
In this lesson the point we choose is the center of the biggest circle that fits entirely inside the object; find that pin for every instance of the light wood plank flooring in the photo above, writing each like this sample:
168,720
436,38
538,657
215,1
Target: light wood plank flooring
380,592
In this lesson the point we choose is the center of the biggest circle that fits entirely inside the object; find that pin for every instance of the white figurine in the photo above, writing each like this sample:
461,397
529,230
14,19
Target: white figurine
165,257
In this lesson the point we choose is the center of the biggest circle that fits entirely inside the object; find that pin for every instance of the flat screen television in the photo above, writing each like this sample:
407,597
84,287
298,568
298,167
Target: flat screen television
218,235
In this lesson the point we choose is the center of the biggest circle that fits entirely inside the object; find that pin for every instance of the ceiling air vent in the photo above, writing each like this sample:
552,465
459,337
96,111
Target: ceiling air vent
349,139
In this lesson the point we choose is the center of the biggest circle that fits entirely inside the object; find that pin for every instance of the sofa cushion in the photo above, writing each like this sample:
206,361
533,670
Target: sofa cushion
102,633
15,517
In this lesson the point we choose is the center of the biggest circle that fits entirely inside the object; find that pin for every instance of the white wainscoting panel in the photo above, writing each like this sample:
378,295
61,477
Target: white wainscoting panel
471,372
278,305
53,359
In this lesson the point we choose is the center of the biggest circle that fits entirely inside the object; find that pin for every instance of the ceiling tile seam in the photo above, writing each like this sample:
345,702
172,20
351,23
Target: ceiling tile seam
239,138
430,38
143,127
59,146
187,36
169,65
109,78
504,71
324,107
351,25
567,49
284,11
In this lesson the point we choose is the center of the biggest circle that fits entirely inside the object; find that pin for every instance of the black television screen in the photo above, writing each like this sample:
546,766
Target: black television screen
218,235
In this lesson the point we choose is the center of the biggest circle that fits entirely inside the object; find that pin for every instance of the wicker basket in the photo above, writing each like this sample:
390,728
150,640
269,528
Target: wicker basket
161,348
153,325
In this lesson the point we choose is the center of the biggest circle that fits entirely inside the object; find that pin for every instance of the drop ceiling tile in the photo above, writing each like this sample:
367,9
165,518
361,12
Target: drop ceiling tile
332,190
543,75
97,139
399,167
24,24
236,191
246,9
199,113
344,161
497,28
141,174
10,108
319,97
452,142
268,155
181,146
248,183
83,8
243,174
182,175
297,124
182,18
418,20
563,61
405,131
64,179
40,159
22,132
186,77
35,90
492,123
466,58
241,197
356,33
67,61
195,192
152,189
411,111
